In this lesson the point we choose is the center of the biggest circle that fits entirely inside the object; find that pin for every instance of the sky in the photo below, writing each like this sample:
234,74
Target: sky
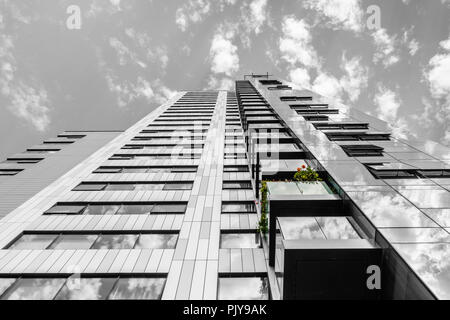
388,58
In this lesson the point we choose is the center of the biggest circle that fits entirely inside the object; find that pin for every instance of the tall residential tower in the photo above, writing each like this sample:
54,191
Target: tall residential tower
198,201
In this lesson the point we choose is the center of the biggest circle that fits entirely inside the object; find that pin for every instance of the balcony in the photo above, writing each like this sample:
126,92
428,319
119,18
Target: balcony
317,249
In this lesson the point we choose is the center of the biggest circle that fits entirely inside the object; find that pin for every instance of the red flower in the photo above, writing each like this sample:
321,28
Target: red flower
299,169
303,166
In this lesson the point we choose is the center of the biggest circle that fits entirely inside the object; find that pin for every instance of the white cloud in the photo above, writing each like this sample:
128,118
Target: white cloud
295,44
115,3
224,58
29,102
124,54
356,77
438,79
223,54
127,91
388,104
300,78
340,14
438,73
446,139
385,46
254,15
327,85
224,83
349,86
156,55
192,12
413,47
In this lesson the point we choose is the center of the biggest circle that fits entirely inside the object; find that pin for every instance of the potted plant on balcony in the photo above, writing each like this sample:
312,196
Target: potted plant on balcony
309,181
263,223
306,174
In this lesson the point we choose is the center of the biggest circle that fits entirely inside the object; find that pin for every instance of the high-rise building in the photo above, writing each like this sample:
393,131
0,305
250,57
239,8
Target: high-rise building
262,193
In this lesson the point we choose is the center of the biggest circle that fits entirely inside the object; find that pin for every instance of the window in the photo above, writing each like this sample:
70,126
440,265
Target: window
363,150
135,209
156,241
90,187
341,126
23,160
63,209
169,208
115,241
243,288
9,172
157,156
138,289
42,151
112,170
229,155
33,241
122,209
133,186
88,289
237,185
84,288
235,169
240,240
389,172
293,98
349,136
34,289
80,241
280,87
108,170
317,228
270,82
73,241
5,283
238,207
435,174
71,136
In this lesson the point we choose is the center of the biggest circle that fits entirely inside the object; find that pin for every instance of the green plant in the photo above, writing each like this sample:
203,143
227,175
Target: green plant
263,224
306,174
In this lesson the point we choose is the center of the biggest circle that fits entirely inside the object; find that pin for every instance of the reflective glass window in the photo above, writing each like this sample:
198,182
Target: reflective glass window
243,288
138,289
86,289
115,241
73,241
156,241
34,289
33,242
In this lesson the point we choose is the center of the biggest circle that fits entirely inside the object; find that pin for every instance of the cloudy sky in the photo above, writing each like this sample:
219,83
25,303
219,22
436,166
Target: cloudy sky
129,56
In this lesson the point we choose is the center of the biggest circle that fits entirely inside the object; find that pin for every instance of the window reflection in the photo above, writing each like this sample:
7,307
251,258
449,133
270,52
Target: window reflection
115,241
86,289
300,229
240,240
33,241
311,228
101,209
5,283
238,207
243,289
138,288
337,228
135,209
34,289
74,241
156,241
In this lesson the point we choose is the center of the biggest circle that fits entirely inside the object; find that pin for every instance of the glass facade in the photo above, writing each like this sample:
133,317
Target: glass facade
173,207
